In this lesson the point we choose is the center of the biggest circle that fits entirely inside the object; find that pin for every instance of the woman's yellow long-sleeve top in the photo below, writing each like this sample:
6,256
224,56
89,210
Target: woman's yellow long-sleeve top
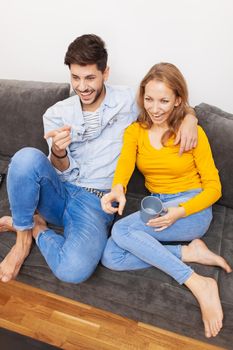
166,172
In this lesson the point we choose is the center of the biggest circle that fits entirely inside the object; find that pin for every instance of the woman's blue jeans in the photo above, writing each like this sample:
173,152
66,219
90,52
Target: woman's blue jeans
32,185
133,245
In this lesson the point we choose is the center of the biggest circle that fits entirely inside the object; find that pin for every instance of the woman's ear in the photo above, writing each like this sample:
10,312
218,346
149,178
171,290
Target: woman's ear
178,101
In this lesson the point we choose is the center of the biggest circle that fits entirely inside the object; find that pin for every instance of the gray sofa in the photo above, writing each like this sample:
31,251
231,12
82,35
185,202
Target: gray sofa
147,295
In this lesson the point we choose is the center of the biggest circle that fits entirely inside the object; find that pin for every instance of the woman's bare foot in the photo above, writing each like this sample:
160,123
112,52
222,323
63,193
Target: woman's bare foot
197,251
205,289
6,224
11,264
39,225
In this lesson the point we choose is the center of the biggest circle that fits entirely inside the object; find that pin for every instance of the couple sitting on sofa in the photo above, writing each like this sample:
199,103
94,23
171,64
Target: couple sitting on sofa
76,189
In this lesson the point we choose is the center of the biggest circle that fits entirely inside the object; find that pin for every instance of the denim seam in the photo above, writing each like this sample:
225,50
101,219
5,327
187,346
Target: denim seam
23,228
186,277
39,235
180,281
41,178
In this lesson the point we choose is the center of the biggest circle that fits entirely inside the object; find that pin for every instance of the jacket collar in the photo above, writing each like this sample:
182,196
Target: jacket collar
109,99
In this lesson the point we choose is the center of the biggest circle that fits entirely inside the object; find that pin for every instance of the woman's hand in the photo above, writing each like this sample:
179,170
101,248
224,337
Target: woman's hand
164,221
117,194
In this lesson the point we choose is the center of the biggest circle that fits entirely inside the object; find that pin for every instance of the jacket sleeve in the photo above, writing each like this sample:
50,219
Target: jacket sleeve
52,120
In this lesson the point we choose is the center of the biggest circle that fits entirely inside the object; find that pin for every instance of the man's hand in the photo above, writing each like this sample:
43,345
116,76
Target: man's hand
164,221
60,139
187,134
116,195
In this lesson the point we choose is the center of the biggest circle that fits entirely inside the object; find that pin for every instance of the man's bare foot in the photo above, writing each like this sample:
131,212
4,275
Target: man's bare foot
205,289
39,225
6,224
197,251
11,264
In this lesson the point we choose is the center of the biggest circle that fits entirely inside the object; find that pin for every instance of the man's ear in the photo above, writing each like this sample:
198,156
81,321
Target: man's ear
106,73
178,101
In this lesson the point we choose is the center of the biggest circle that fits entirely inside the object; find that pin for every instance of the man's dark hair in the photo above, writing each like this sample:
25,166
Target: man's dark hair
87,49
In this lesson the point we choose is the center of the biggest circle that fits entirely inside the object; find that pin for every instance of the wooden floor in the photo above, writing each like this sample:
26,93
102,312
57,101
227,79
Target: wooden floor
71,325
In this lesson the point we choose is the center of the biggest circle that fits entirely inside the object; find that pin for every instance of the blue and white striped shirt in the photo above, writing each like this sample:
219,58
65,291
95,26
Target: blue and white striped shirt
92,123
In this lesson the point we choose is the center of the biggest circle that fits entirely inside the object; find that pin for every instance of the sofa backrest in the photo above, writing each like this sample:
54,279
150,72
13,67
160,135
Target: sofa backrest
218,126
22,105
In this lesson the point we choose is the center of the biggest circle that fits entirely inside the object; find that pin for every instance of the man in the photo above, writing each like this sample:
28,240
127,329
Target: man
84,133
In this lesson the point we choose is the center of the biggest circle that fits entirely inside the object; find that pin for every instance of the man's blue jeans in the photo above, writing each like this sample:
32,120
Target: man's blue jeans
33,184
133,245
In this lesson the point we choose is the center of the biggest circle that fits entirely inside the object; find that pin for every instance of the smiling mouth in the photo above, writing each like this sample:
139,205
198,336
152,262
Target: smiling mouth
157,116
85,94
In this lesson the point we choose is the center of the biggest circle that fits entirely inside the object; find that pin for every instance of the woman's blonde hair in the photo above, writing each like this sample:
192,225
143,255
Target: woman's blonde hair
173,78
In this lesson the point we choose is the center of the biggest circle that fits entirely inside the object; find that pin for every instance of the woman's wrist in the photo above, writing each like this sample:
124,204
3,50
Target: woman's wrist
182,212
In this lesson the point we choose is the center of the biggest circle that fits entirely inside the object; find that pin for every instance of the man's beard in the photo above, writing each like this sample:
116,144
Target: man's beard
98,93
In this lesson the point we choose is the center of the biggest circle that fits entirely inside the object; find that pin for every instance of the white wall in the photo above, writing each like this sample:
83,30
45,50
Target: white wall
196,35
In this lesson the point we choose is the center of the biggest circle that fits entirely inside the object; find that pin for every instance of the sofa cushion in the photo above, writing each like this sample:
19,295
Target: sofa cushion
218,126
22,105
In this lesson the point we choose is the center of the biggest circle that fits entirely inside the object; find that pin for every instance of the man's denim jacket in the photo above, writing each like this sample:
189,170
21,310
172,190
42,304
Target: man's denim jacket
93,161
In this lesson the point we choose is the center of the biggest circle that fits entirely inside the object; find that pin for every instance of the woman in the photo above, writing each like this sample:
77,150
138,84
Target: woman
188,185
